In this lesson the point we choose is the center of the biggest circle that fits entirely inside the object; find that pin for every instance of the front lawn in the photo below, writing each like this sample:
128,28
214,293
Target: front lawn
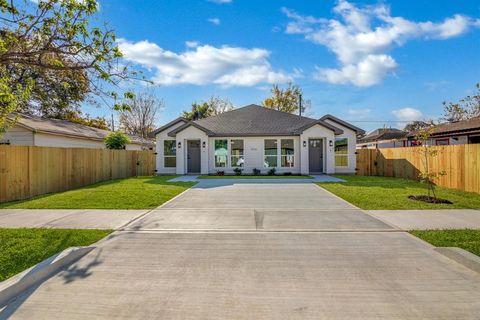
255,177
465,238
22,248
131,193
377,193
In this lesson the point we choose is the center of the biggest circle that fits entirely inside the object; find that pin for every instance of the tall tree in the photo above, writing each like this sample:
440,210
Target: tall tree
52,57
140,120
418,125
286,100
212,107
464,109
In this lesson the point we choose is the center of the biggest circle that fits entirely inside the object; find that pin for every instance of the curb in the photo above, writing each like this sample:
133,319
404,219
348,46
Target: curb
465,258
13,287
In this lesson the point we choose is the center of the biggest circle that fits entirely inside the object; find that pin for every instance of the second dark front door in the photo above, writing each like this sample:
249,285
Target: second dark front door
315,155
193,156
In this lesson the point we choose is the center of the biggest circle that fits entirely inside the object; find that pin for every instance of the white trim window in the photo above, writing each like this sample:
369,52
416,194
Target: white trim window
221,153
270,150
341,152
169,154
237,158
287,152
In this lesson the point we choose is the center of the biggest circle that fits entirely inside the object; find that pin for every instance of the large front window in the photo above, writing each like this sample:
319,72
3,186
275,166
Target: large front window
221,153
287,153
271,153
341,152
169,154
236,150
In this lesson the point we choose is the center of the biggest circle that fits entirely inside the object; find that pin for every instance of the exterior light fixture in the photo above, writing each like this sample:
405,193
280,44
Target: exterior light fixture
179,144
304,143
330,143
204,144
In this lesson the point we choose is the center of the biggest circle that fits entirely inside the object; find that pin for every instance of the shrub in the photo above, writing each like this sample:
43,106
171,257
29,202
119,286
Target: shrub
220,173
256,172
238,171
287,173
116,140
272,171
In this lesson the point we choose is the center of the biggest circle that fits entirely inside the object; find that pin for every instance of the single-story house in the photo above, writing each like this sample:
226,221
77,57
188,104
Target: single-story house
383,138
254,137
32,130
451,133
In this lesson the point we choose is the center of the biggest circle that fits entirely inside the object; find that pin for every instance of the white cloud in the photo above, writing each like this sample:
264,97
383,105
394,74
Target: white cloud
192,44
205,64
215,21
407,114
220,1
362,37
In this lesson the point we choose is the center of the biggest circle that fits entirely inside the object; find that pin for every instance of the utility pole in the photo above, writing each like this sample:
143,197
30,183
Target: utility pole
113,124
300,104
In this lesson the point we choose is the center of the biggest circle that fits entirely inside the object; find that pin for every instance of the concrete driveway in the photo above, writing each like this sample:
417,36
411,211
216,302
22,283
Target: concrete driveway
209,254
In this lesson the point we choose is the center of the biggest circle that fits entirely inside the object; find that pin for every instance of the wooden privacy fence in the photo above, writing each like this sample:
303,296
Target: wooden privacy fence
27,171
461,164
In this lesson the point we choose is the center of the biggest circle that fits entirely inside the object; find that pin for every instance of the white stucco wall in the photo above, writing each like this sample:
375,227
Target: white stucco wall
318,131
352,141
160,138
191,133
18,135
253,149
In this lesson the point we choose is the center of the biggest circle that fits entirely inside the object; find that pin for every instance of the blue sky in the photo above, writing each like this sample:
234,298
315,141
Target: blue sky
369,62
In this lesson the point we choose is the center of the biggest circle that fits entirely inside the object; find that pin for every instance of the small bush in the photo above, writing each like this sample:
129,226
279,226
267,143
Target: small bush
238,171
287,173
272,171
256,172
116,140
220,173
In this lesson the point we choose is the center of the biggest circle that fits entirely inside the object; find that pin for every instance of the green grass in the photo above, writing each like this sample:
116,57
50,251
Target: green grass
22,248
464,238
132,193
255,177
376,193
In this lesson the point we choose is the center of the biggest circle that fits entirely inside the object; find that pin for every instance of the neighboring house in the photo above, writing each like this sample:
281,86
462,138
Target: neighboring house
256,137
36,131
458,132
383,138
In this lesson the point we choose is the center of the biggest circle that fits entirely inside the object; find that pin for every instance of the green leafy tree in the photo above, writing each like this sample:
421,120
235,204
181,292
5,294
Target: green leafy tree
286,100
52,58
466,108
426,152
212,107
116,140
418,125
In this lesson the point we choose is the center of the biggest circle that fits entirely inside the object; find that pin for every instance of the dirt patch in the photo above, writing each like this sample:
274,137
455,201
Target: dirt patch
429,199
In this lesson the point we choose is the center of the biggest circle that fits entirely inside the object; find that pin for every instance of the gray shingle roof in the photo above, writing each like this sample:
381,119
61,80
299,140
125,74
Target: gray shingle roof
64,127
254,120
344,123
383,134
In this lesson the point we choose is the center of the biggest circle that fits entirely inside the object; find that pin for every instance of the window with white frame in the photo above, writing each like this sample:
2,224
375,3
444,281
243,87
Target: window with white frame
169,154
236,153
270,153
341,152
287,153
221,153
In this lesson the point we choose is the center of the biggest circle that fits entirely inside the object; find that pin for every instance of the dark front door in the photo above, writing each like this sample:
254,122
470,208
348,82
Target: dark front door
315,155
193,156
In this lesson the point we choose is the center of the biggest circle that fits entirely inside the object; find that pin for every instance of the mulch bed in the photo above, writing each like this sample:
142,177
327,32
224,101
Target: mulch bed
429,199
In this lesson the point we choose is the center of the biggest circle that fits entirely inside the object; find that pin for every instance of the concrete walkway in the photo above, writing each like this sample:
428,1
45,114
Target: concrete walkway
430,219
67,218
233,179
239,251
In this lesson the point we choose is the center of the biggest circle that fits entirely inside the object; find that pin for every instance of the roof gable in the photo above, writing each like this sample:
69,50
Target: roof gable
254,120
343,123
168,125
